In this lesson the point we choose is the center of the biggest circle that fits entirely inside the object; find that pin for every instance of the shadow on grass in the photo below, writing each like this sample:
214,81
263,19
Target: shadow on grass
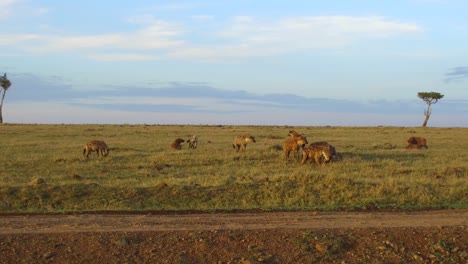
382,156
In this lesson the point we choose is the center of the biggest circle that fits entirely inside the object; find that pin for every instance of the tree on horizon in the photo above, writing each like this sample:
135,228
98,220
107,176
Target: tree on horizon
430,98
5,84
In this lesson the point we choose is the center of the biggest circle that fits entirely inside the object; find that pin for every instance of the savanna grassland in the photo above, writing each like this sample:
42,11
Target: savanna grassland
42,169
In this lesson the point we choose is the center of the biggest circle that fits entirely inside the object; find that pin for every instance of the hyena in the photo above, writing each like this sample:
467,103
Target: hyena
177,144
321,152
240,142
293,144
294,134
416,143
96,145
193,142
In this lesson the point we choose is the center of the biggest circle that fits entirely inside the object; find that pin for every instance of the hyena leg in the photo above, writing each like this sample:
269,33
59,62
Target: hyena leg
86,153
305,156
318,157
238,148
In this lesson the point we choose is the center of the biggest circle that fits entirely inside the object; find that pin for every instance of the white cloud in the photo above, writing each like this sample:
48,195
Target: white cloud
243,37
19,39
158,35
9,7
122,57
6,7
250,37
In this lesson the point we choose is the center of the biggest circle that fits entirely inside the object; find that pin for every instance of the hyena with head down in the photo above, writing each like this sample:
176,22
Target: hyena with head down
240,142
177,144
99,146
322,152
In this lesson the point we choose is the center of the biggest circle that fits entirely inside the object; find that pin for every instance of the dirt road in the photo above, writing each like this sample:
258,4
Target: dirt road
249,237
122,222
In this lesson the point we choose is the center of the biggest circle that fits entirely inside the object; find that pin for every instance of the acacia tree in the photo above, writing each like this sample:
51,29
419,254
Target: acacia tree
430,98
5,84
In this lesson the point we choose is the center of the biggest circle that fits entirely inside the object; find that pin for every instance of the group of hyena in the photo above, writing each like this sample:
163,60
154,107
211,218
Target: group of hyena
102,149
321,152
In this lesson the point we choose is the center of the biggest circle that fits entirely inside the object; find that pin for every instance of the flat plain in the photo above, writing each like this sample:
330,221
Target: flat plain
42,169
376,202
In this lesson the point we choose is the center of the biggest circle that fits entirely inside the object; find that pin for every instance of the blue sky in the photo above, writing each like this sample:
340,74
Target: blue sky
235,62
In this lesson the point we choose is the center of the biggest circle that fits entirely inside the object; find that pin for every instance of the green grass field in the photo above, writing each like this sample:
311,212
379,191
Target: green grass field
143,173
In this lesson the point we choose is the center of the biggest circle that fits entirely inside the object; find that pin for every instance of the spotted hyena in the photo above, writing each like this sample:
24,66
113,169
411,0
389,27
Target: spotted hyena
193,142
416,143
322,152
177,144
294,134
99,146
240,142
293,145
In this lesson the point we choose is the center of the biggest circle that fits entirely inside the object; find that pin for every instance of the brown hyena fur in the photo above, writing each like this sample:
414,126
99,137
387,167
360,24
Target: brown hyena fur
177,144
99,146
324,143
240,142
322,152
293,144
416,143
293,134
193,142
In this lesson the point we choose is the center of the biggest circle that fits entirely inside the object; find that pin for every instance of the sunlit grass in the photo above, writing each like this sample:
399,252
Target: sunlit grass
373,170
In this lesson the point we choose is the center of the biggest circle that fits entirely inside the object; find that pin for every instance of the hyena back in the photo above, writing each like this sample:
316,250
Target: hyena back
321,152
99,146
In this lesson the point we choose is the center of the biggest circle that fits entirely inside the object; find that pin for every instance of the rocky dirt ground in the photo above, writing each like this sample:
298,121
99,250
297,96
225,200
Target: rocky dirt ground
242,237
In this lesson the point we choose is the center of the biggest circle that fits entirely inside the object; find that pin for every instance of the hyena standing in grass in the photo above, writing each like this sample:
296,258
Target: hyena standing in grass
293,145
240,142
193,142
294,134
99,146
322,152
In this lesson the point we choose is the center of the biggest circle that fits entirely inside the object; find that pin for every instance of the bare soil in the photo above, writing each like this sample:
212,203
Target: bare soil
237,237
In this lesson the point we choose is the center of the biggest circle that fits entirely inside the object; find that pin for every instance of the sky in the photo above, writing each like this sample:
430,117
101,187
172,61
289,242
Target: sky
244,62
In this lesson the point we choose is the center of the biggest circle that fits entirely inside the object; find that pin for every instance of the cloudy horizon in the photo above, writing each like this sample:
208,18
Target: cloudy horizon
34,100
